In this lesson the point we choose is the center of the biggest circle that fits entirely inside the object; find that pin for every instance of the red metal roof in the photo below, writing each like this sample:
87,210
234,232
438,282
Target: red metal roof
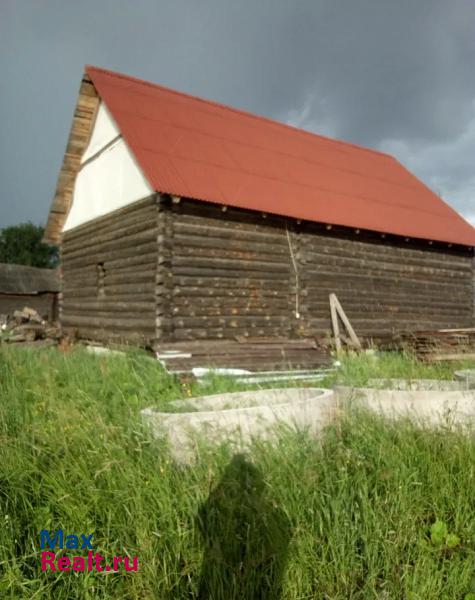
203,150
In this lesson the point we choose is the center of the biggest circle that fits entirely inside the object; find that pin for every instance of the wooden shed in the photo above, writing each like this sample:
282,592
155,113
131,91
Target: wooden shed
191,226
21,286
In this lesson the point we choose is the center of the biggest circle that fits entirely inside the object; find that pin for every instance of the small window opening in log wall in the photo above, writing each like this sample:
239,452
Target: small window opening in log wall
100,277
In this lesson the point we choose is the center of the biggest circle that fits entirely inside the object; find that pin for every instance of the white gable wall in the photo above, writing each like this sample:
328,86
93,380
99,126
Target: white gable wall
104,131
109,177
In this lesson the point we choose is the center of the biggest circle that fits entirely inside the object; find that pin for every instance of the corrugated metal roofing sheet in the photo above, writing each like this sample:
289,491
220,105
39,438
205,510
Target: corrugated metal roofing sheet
203,150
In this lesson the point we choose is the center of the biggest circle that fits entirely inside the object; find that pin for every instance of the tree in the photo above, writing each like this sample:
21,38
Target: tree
22,244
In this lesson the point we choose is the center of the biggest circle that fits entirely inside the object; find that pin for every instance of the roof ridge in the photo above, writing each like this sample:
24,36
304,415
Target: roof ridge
237,110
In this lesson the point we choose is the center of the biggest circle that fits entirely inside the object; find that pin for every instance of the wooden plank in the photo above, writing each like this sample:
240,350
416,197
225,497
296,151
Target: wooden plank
346,322
450,357
335,324
258,355
84,115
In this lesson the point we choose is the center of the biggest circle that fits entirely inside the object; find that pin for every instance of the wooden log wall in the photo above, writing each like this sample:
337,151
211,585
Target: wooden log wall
174,272
108,276
385,286
236,273
231,274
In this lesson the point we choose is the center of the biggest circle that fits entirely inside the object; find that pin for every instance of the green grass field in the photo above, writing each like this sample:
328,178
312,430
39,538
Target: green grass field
373,511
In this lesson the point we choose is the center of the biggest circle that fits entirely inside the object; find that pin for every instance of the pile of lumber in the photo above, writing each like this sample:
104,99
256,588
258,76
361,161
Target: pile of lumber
255,355
443,344
27,325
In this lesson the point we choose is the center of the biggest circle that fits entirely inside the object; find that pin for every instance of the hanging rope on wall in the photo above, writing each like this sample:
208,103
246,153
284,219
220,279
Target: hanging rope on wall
296,272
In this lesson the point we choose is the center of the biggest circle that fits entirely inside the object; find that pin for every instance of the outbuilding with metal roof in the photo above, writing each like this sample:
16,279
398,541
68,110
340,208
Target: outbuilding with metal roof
183,222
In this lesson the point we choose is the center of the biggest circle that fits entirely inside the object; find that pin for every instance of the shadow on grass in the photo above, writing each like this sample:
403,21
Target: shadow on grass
246,538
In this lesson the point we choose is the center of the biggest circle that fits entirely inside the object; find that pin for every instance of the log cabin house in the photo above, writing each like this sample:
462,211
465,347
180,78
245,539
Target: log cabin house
187,225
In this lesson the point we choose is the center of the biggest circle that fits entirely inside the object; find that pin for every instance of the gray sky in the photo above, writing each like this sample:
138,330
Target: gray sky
396,75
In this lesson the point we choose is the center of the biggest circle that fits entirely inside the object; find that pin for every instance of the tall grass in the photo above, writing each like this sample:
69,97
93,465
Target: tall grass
353,516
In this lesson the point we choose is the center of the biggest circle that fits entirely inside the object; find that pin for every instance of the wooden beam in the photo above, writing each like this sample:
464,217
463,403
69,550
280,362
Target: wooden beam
337,311
335,324
445,357
79,136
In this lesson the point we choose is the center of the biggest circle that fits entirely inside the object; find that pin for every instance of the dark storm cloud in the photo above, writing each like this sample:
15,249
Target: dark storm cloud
392,75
